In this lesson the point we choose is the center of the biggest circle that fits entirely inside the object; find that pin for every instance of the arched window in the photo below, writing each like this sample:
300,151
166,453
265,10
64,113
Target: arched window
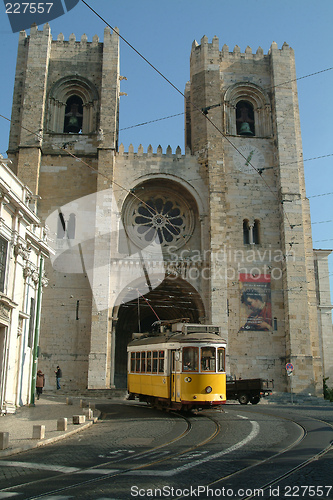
245,118
71,227
246,232
73,106
73,115
247,110
66,228
256,232
61,226
251,232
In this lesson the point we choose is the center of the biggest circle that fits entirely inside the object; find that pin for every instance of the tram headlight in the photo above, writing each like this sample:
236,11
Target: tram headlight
208,389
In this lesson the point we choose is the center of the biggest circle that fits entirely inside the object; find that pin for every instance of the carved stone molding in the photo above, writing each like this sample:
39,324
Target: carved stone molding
4,312
27,271
30,272
6,305
35,277
23,250
45,281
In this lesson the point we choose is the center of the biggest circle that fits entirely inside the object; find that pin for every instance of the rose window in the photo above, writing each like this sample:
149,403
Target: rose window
160,219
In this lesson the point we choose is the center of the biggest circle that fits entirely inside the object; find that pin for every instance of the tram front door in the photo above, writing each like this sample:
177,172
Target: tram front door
175,376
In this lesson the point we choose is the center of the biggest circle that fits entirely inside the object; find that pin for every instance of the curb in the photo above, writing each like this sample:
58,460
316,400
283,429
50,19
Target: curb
44,442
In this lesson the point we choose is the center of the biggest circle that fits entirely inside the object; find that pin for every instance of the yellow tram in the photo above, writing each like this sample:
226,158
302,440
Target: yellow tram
180,368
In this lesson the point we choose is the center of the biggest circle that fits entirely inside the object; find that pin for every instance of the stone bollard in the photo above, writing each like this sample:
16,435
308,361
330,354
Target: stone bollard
79,419
69,401
83,403
38,432
4,440
62,424
88,413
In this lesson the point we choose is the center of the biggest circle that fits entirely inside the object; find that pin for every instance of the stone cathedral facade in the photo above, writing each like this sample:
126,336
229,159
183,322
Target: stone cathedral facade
218,233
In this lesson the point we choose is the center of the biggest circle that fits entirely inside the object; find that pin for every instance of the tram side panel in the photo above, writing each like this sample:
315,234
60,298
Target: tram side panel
147,373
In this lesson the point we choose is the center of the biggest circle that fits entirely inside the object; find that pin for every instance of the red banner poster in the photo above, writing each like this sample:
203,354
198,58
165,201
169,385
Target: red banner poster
256,308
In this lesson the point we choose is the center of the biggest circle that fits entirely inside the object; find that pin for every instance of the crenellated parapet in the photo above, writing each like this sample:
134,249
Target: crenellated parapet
211,51
45,33
150,152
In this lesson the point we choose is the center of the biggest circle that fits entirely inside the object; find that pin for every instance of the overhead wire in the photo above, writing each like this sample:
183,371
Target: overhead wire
318,195
281,207
198,109
247,159
112,181
152,121
148,122
159,119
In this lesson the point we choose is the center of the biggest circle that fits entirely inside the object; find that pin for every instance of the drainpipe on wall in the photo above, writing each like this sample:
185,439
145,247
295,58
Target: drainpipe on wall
36,337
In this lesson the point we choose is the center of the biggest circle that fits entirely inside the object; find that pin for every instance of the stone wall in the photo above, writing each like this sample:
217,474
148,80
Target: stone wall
232,207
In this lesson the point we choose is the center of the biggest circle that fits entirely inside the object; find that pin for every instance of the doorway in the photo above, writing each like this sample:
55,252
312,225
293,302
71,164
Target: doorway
173,298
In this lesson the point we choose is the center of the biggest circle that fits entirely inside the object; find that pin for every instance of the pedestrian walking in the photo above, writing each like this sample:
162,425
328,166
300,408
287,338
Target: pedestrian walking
40,382
58,374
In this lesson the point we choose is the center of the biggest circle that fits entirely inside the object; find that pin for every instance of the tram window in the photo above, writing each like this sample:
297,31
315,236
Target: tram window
137,362
208,363
221,359
132,362
143,362
149,362
190,359
155,361
161,362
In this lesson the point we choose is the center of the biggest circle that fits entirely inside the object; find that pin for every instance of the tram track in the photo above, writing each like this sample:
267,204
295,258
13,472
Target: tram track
267,487
255,472
289,473
126,470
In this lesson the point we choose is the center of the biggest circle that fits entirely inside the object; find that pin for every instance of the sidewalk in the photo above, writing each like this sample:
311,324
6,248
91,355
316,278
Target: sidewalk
47,411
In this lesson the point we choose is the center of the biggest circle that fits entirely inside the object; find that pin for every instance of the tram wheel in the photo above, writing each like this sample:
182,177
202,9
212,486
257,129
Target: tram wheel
243,399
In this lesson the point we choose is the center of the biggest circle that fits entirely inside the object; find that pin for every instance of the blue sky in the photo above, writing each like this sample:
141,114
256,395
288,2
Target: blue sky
163,31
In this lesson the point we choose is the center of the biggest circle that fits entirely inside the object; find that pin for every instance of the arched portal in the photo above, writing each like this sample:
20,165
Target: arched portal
173,298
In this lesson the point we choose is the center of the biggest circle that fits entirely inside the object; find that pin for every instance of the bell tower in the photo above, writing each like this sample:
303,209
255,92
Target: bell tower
63,141
251,153
65,92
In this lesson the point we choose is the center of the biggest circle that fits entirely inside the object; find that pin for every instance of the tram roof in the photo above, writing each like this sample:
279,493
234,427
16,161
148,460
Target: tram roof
179,338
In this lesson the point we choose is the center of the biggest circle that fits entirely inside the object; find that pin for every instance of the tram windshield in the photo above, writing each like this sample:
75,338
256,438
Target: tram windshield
212,359
190,359
208,359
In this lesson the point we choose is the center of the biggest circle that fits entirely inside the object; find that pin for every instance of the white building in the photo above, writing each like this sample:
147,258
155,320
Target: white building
23,248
